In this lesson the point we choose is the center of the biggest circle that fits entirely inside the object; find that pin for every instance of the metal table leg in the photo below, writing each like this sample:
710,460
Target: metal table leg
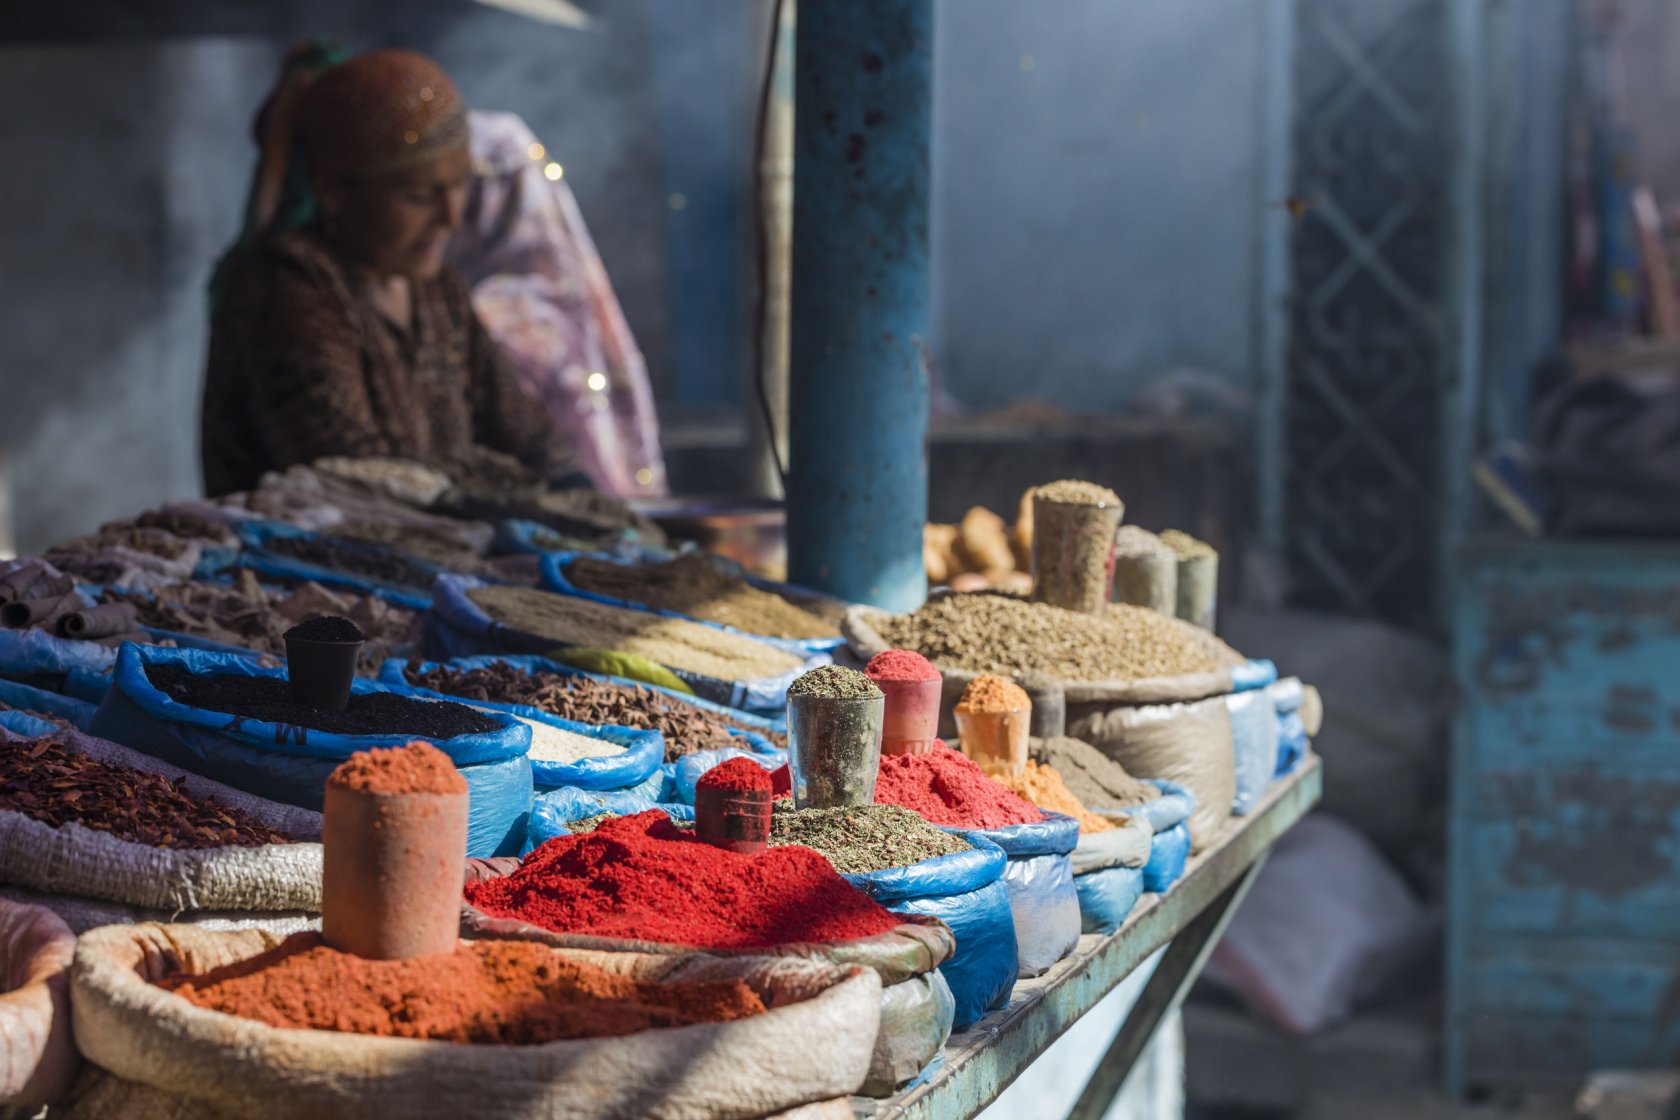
1179,967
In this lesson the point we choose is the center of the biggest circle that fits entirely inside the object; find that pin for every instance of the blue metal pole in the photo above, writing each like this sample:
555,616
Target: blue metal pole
858,397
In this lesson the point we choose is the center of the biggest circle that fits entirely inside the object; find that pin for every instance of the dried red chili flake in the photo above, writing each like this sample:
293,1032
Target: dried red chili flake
47,781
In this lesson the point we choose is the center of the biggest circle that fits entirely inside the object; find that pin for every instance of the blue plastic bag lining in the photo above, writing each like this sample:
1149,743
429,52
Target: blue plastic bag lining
1106,897
1174,806
1254,738
26,725
554,579
42,659
516,537
552,810
1292,743
982,971
1257,673
291,764
960,873
644,751
1287,694
455,626
1167,856
255,535
392,672
28,698
1039,878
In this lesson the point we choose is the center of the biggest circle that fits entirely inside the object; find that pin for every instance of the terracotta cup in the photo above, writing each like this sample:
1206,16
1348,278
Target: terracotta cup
391,872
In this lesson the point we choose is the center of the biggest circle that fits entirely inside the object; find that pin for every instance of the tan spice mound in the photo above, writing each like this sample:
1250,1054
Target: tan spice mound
993,694
570,621
691,585
1075,492
1044,787
1187,547
506,992
986,633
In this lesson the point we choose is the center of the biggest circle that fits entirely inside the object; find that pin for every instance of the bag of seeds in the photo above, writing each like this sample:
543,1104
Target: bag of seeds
1254,741
242,728
273,548
83,818
469,617
1190,744
570,753
1126,655
38,1057
696,586
167,1056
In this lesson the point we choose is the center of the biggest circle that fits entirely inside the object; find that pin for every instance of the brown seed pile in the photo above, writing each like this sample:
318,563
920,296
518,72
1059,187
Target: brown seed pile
690,584
858,838
48,782
686,728
434,546
1090,775
987,633
1073,492
569,621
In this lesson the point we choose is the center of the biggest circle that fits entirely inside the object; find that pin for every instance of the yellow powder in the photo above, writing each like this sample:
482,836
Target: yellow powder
1044,787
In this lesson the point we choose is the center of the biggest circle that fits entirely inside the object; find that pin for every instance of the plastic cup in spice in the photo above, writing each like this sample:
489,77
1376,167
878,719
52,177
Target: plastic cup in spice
394,840
994,717
321,660
1073,544
911,686
834,737
732,806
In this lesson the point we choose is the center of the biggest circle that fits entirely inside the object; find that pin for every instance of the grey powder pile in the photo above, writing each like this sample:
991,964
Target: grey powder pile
1091,776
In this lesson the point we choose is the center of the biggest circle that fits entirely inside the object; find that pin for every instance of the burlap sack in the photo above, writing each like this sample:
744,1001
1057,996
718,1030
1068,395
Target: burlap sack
812,1045
866,641
87,863
38,1056
1186,743
83,914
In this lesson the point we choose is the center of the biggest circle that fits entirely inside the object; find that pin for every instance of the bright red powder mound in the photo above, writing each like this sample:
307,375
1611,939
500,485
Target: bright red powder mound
946,788
643,878
738,775
901,665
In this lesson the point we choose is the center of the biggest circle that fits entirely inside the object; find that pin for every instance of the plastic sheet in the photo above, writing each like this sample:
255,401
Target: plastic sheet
1167,857
1254,743
1107,896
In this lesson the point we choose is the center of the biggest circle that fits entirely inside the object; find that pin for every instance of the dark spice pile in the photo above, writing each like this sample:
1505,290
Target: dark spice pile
269,699
434,546
860,838
326,628
48,782
369,561
686,728
500,992
643,878
690,584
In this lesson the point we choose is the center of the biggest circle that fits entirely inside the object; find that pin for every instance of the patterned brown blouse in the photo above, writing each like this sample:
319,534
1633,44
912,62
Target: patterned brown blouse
301,367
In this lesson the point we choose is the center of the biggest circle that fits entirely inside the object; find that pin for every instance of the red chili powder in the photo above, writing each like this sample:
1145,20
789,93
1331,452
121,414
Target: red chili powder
416,768
738,775
946,788
901,665
643,878
511,992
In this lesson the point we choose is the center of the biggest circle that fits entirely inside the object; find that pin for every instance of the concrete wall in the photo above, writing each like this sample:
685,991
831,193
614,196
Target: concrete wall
1098,201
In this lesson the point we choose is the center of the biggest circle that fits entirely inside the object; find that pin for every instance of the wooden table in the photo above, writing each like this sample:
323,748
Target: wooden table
982,1061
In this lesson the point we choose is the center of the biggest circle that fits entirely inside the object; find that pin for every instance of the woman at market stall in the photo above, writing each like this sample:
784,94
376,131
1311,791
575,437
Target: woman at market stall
337,327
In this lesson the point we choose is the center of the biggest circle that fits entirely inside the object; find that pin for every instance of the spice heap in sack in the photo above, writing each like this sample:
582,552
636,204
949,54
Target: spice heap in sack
862,838
691,584
947,788
500,992
685,727
370,561
269,699
1044,787
245,614
987,633
643,878
46,781
569,621
1090,775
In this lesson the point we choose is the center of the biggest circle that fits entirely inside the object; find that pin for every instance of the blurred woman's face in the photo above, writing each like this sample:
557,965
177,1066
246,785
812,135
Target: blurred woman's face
398,225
